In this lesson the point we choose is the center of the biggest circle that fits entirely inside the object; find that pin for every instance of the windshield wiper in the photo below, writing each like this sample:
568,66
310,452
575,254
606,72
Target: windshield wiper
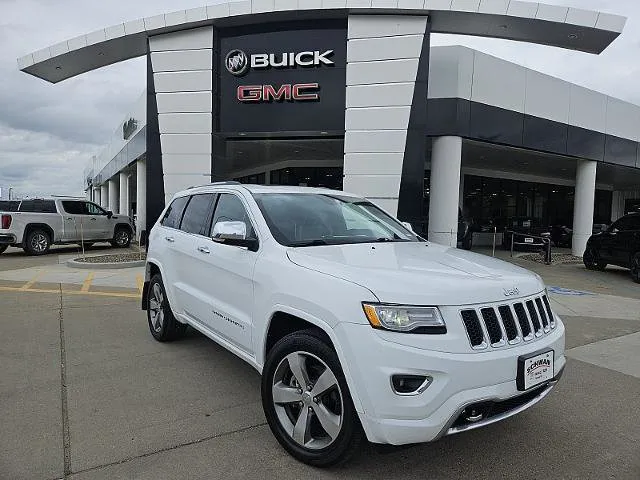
311,243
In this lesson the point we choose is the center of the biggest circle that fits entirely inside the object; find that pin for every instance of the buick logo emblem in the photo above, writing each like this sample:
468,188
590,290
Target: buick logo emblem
237,62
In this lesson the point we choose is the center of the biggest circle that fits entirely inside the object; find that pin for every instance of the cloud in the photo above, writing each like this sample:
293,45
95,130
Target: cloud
48,132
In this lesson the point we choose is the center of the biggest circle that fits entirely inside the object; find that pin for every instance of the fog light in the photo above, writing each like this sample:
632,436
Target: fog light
410,384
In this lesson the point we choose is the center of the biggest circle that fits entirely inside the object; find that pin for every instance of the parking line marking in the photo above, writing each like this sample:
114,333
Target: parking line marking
71,292
86,285
34,280
140,283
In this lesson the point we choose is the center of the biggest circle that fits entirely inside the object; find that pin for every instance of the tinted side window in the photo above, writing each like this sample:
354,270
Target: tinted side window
230,208
173,215
93,209
74,208
38,206
9,206
196,214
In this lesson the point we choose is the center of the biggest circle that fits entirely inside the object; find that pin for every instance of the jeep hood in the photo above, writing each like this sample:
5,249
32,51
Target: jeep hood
420,273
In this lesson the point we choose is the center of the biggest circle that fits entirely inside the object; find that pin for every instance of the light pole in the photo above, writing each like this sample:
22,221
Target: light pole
10,190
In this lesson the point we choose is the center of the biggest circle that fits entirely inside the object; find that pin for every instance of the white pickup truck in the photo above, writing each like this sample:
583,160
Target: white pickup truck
36,224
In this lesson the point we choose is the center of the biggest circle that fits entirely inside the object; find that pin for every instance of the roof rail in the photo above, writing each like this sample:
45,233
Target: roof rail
229,182
67,196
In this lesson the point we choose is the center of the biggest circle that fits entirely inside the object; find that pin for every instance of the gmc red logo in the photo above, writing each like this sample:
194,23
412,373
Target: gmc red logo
299,92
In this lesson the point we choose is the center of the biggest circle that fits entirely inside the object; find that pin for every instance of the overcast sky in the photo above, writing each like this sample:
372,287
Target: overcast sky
49,132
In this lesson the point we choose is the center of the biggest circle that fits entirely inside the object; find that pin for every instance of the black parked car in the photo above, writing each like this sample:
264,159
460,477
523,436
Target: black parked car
618,245
526,234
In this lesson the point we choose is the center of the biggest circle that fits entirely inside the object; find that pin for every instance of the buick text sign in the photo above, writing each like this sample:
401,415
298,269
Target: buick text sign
292,79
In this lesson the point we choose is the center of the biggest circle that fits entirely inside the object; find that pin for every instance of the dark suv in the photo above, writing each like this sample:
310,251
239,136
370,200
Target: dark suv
618,245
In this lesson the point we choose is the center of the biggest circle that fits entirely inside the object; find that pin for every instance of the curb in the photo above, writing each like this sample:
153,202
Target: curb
104,266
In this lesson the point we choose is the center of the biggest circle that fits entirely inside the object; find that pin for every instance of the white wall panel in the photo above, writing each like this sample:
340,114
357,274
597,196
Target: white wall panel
451,72
522,9
411,4
115,31
385,186
261,6
185,122
384,3
175,18
196,14
377,118
385,26
220,10
438,4
193,81
185,144
622,119
194,39
388,71
175,61
494,7
387,48
186,164
547,97
373,163
465,5
389,141
176,183
154,23
187,102
611,22
329,4
134,26
552,13
98,36
498,83
586,18
240,8
380,95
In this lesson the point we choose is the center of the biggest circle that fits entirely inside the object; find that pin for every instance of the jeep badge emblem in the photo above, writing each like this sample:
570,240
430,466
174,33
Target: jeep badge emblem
236,62
510,292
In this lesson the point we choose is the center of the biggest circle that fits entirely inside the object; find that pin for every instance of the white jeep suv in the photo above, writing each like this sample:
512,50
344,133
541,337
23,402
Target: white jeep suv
359,327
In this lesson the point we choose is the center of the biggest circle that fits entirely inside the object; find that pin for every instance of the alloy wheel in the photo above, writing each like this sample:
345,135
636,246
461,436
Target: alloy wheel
156,307
308,400
122,237
39,243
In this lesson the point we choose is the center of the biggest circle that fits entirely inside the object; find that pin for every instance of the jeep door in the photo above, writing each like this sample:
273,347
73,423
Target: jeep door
226,272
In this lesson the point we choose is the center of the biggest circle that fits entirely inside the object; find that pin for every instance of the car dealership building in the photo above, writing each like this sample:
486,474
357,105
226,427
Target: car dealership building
349,94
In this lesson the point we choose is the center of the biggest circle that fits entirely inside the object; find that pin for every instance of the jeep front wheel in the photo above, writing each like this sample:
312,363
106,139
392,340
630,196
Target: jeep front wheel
306,401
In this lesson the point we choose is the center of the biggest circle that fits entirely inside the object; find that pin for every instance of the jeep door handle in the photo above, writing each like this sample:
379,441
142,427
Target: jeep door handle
169,239
204,250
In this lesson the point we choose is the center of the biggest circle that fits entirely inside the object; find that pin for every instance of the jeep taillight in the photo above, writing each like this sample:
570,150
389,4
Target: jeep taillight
6,222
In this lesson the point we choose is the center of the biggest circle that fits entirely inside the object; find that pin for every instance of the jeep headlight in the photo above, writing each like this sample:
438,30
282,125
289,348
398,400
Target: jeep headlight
405,318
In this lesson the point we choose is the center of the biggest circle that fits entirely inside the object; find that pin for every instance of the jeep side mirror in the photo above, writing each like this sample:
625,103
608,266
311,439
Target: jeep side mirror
233,233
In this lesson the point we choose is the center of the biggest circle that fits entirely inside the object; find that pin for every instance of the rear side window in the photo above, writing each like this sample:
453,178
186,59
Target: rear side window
173,214
38,206
196,214
74,208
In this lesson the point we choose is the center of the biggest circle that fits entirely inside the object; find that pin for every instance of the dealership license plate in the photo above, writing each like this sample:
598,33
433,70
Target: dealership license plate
534,370
528,240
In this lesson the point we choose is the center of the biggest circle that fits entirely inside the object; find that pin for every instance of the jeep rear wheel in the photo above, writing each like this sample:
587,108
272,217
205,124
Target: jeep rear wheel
306,401
38,242
162,324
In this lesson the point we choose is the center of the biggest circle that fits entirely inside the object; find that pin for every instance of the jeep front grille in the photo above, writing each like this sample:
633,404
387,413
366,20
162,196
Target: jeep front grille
508,324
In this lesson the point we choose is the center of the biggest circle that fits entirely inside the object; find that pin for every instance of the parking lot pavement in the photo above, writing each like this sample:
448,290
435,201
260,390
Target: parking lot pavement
87,394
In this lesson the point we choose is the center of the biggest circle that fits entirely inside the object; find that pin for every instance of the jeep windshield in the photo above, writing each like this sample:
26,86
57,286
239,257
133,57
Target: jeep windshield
304,220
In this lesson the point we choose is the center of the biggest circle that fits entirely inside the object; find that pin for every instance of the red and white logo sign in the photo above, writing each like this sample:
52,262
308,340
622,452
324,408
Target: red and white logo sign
287,92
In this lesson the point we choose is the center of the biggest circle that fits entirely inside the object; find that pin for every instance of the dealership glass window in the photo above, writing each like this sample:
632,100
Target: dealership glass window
328,177
491,202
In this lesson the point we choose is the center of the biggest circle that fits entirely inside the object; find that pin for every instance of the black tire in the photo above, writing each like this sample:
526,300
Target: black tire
591,259
635,267
121,238
167,328
318,355
38,242
467,242
3,248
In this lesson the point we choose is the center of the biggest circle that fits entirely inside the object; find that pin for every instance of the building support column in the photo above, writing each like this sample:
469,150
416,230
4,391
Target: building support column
141,197
114,195
96,195
446,160
122,203
104,195
583,205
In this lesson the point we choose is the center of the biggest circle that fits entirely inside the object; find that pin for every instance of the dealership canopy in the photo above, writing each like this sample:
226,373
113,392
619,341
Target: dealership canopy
569,28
